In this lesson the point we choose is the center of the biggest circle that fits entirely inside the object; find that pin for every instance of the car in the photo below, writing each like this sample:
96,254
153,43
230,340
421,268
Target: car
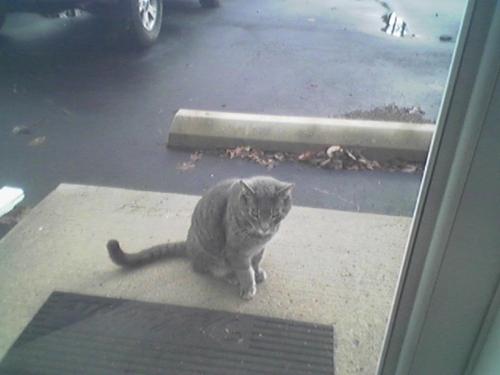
141,19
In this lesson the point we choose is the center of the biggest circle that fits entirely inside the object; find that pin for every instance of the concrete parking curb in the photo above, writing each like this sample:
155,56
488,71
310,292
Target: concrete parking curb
202,130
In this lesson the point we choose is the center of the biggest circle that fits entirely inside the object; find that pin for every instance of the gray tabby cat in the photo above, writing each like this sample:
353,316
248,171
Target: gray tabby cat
230,226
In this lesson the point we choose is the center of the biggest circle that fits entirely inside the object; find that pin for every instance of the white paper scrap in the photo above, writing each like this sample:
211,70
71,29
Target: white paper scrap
9,198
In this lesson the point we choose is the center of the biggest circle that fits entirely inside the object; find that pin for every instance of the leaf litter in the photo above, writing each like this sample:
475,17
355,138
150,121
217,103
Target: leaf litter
335,157
260,157
191,163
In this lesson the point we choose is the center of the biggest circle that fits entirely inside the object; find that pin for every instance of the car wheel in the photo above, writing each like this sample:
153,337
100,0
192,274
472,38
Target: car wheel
145,18
209,3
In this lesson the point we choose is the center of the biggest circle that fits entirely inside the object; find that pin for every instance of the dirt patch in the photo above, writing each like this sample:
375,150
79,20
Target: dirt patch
391,112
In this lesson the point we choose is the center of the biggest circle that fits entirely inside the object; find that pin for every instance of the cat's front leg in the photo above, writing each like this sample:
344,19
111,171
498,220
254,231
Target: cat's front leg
246,278
260,274
245,275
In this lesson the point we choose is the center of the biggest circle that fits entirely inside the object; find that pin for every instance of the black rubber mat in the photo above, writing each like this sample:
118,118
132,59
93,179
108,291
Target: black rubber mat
79,334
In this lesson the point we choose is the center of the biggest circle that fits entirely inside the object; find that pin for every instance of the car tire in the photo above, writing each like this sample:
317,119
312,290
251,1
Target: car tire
209,3
144,21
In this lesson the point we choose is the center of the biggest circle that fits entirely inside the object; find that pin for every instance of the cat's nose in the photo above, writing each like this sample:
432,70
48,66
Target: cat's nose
265,227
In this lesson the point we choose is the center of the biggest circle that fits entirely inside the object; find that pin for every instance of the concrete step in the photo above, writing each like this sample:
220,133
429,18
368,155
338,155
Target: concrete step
324,266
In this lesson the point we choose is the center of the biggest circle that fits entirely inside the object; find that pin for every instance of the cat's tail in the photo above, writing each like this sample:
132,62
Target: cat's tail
152,254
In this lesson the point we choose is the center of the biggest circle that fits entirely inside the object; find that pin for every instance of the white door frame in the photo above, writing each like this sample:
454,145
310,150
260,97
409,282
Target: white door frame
451,270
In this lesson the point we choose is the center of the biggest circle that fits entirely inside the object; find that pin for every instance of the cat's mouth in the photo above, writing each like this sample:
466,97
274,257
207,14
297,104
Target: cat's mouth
264,232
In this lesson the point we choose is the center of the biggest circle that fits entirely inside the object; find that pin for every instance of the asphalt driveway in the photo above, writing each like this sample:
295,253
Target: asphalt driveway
99,114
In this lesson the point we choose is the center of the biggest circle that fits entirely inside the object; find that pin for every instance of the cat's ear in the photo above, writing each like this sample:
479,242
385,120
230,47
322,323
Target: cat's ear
246,188
285,189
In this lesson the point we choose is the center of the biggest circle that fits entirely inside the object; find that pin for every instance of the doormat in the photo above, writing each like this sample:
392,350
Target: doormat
81,334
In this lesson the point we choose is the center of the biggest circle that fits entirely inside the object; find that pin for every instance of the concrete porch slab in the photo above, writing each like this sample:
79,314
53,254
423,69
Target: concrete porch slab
324,266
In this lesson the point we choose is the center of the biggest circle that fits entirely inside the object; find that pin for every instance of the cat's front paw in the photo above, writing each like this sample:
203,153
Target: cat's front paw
260,276
248,292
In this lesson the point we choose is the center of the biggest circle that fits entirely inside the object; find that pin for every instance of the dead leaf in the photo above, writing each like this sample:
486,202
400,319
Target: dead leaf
361,159
185,166
330,152
238,152
195,156
38,141
308,155
267,160
21,130
191,163
324,163
416,110
279,156
409,168
351,155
